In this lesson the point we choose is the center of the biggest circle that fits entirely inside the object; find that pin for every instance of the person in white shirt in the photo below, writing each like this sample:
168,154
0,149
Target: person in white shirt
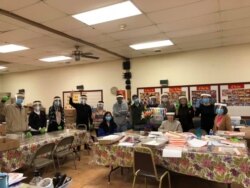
171,124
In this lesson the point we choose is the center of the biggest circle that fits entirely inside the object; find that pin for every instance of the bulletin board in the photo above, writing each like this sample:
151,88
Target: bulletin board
175,92
237,98
93,96
196,91
145,93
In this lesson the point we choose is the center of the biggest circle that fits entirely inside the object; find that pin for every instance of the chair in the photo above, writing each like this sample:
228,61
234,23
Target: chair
64,148
144,165
203,132
82,126
43,156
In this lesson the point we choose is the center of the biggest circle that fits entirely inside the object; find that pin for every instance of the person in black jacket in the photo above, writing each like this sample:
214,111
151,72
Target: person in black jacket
136,112
107,126
207,112
83,111
185,113
37,118
56,115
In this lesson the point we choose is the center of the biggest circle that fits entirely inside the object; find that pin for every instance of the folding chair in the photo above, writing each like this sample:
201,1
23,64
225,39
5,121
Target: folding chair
144,165
43,157
64,148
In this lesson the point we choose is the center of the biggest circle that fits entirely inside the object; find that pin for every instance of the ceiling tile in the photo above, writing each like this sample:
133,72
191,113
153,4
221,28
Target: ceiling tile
195,31
40,12
232,4
184,12
150,30
236,24
129,23
18,35
151,6
235,14
16,4
190,22
5,27
237,31
77,6
240,39
84,33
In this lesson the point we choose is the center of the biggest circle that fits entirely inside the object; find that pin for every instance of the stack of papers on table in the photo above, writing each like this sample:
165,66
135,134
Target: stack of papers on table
230,133
109,139
15,178
172,152
197,143
180,142
155,142
233,144
154,134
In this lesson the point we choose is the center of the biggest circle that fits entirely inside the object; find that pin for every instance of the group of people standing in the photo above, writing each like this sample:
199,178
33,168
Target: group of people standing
213,115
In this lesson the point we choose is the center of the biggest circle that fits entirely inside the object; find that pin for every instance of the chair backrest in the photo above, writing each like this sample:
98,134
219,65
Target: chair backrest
65,144
46,149
144,161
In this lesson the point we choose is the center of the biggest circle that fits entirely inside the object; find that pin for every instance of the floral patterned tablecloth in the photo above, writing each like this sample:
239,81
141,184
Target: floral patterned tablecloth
208,165
12,160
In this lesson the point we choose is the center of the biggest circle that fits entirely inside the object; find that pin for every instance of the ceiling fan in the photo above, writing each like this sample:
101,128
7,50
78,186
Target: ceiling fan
78,54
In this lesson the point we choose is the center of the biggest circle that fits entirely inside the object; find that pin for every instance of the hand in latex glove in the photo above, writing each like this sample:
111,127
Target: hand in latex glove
5,98
43,130
28,135
59,127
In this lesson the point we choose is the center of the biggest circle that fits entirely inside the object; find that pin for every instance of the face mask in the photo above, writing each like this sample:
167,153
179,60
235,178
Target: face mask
219,111
108,118
100,106
83,101
164,100
19,101
119,101
205,100
37,108
136,101
57,103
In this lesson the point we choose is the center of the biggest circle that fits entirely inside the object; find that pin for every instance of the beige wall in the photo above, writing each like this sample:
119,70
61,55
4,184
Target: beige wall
228,64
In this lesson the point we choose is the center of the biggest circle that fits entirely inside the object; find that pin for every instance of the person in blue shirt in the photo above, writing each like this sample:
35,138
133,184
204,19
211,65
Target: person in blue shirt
107,126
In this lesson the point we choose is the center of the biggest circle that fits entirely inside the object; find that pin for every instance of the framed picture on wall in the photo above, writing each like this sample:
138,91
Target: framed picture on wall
175,92
145,93
196,91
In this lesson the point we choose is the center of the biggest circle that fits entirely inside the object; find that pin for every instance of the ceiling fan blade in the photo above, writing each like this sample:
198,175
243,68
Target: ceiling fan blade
87,53
90,57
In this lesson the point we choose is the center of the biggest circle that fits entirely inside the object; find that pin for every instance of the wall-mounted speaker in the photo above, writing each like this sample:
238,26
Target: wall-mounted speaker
128,82
80,87
126,65
127,75
21,91
164,82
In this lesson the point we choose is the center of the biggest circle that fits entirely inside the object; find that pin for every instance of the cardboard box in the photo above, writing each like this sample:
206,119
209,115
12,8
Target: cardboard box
8,144
70,113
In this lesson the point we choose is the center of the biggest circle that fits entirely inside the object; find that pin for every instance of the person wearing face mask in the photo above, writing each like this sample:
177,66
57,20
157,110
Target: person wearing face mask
171,124
98,115
107,126
15,114
166,104
56,115
120,111
37,119
83,111
206,111
136,110
152,103
222,120
185,113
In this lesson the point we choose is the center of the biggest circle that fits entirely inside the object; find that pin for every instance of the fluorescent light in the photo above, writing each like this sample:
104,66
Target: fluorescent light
109,13
2,67
55,58
11,48
153,44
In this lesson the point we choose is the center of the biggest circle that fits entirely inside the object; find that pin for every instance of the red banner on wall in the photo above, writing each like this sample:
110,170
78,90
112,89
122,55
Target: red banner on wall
235,86
149,90
174,89
203,87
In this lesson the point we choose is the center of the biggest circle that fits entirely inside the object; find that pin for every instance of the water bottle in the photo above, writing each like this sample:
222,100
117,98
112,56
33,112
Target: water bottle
4,180
198,132
211,132
36,179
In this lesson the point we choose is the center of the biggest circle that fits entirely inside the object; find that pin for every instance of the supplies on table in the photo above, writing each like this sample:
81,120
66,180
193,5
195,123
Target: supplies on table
129,140
155,142
197,143
230,151
110,139
15,178
176,139
228,134
172,152
234,142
